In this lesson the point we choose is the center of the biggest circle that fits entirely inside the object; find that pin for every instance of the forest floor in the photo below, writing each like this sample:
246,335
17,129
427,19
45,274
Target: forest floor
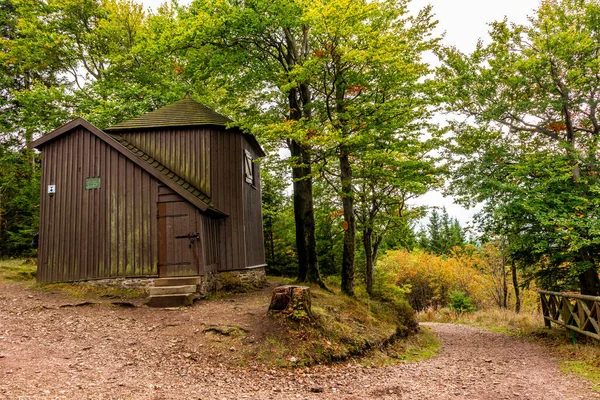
50,348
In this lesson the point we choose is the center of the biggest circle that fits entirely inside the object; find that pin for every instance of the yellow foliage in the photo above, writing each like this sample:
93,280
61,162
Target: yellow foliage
427,280
432,278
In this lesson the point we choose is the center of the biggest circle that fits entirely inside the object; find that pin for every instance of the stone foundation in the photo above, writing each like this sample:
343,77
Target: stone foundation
124,283
242,280
245,280
208,284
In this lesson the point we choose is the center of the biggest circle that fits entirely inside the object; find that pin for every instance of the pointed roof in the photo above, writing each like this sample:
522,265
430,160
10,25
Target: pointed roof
143,160
185,112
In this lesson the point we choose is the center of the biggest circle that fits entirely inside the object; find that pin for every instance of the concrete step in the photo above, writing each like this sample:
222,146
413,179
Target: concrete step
183,289
177,281
172,300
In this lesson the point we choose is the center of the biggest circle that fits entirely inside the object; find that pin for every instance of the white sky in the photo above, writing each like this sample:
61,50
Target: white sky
462,22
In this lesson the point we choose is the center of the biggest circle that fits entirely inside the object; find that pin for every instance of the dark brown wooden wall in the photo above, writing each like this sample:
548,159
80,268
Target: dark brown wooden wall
99,233
220,173
227,195
185,151
255,245
212,238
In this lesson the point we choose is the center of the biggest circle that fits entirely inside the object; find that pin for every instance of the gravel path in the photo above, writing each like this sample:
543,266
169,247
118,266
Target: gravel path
107,352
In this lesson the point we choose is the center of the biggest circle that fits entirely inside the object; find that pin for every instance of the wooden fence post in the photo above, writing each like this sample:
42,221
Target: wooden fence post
575,312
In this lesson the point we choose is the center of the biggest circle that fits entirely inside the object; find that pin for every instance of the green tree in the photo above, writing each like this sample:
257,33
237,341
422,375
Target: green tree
19,196
530,145
371,101
247,53
442,233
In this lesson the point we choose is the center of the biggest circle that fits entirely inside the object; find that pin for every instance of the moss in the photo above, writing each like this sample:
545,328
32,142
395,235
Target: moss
342,327
85,290
230,282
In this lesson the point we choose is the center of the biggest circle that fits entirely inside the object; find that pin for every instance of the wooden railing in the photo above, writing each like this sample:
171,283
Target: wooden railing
576,312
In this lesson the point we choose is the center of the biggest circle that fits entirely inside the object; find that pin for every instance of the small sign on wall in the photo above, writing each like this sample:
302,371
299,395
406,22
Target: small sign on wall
51,189
92,183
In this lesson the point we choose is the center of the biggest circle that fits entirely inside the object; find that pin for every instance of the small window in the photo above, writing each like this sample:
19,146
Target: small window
92,183
248,167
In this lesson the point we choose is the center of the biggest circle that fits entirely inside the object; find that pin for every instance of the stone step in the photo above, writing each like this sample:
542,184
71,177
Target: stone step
177,281
183,289
172,300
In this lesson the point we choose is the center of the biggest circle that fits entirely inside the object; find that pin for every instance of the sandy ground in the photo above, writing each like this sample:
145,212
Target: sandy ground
107,352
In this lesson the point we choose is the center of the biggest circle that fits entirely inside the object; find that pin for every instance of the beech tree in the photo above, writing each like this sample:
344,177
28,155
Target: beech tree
247,55
373,102
529,144
322,77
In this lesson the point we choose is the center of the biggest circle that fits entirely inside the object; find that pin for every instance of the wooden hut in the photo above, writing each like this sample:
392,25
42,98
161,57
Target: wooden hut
172,193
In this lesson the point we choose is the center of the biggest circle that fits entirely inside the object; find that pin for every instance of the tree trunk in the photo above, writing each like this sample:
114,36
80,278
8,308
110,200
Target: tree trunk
304,214
504,299
313,273
513,269
292,301
299,187
589,282
367,244
504,287
349,224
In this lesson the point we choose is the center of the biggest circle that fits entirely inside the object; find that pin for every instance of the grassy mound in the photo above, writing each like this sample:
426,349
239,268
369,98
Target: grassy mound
342,327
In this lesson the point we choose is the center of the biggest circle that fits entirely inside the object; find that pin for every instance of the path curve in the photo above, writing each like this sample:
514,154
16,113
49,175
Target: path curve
111,353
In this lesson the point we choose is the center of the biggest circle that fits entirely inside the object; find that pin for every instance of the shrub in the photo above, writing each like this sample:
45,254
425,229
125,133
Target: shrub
427,280
460,302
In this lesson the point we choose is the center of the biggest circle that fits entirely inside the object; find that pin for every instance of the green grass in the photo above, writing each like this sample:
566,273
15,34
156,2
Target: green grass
585,370
18,270
24,271
343,327
421,346
581,358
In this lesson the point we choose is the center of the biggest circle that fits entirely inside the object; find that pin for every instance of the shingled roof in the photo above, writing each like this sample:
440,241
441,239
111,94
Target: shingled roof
185,112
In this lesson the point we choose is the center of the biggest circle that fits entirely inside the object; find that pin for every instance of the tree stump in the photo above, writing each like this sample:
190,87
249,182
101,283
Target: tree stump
292,301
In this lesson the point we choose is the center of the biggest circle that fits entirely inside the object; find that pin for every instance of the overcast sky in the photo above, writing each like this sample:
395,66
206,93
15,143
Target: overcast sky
462,22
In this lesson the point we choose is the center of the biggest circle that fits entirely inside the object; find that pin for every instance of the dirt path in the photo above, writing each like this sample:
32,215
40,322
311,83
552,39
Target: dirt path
108,352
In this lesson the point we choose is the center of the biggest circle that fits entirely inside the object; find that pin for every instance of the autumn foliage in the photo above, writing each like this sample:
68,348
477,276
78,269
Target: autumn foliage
429,280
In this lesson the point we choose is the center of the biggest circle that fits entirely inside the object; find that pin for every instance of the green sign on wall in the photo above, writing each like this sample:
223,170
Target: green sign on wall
92,183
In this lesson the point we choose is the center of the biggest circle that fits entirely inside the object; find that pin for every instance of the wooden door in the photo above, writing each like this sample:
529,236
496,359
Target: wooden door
179,240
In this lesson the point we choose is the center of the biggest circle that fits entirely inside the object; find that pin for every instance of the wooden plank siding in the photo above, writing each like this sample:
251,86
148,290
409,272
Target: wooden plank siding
98,233
227,193
253,224
210,158
185,151
211,236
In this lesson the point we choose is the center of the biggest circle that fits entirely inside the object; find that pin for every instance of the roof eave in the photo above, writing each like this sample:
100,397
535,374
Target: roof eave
128,154
36,144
